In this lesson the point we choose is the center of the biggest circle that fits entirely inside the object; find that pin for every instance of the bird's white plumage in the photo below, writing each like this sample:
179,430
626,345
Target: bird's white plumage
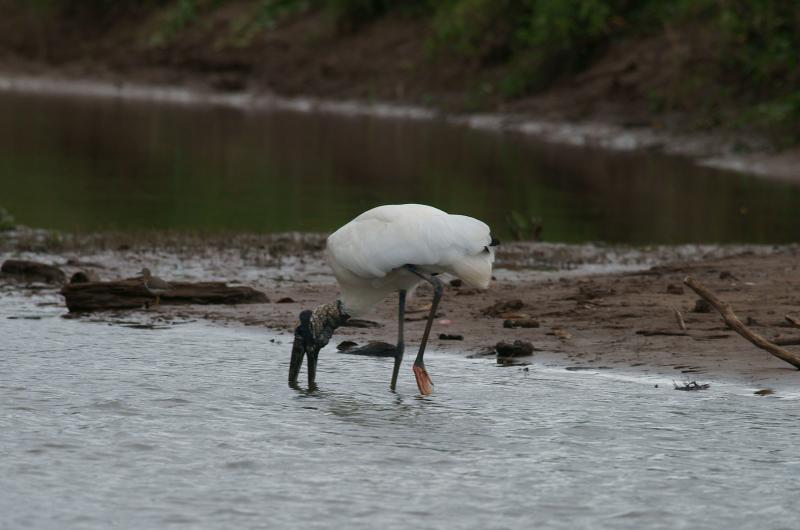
367,255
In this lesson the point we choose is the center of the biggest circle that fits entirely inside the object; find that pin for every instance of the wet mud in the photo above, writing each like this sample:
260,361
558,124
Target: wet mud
594,306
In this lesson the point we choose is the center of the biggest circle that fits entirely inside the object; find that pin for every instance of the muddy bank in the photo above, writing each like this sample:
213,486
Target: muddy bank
595,307
708,148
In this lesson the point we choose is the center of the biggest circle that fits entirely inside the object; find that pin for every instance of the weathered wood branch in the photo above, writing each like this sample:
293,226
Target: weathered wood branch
793,321
679,318
33,271
131,294
733,321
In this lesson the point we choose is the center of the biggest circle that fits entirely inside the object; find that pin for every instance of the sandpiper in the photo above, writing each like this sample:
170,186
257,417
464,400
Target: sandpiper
154,285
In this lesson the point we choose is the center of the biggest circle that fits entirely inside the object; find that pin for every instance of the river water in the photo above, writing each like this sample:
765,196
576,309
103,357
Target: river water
193,426
83,163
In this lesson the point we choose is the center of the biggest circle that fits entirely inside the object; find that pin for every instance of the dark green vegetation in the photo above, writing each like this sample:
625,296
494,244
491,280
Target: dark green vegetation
726,63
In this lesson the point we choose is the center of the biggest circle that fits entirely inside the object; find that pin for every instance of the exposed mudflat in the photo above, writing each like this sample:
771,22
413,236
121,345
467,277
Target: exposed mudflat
598,307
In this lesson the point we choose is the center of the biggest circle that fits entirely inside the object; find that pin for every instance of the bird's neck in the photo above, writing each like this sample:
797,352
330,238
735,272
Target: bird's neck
325,319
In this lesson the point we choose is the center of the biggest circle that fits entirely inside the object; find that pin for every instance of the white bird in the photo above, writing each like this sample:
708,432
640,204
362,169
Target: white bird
393,248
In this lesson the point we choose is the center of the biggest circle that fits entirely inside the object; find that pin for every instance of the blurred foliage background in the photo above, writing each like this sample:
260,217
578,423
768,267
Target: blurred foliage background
748,74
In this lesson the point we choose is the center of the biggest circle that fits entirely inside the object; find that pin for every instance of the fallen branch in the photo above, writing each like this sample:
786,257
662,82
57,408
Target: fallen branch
131,294
733,321
679,318
793,321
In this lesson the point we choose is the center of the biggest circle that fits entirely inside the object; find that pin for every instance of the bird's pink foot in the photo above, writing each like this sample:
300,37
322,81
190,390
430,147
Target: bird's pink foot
423,380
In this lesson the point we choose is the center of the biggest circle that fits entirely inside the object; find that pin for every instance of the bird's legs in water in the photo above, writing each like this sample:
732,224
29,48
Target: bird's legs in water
398,356
423,379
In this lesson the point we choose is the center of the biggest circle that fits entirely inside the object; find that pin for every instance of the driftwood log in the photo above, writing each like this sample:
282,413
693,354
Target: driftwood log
33,271
735,324
131,294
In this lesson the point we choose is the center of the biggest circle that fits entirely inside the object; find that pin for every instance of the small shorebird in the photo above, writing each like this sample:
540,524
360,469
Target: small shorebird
393,248
154,285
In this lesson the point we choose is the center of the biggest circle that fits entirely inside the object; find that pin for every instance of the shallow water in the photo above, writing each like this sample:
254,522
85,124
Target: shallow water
100,163
193,426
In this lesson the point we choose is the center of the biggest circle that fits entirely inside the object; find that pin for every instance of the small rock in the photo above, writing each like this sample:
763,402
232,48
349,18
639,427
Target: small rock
674,289
521,323
503,306
346,345
450,336
84,277
285,300
519,348
726,275
764,392
701,306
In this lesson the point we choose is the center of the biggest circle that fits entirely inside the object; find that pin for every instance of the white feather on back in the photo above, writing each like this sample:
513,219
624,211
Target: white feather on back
388,237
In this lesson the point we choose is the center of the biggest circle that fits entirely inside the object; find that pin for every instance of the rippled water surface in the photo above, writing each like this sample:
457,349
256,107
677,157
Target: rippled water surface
193,426
93,164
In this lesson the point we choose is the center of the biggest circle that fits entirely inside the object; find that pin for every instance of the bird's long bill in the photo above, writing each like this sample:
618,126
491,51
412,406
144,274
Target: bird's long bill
296,362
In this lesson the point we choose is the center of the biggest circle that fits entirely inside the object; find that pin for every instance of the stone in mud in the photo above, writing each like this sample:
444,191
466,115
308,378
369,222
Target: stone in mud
373,349
519,348
701,306
32,271
521,323
673,288
591,292
503,306
84,277
285,300
450,336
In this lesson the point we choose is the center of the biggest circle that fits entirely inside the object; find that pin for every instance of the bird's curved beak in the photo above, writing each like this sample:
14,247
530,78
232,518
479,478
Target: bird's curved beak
303,345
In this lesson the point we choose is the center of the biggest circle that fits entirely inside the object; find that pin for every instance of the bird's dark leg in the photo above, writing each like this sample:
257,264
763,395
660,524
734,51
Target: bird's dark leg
423,379
398,356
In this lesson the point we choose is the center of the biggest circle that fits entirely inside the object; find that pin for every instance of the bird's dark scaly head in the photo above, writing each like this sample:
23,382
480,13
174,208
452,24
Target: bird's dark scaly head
303,344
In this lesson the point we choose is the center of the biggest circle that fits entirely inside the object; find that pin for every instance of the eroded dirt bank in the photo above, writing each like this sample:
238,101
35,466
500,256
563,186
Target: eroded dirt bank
599,308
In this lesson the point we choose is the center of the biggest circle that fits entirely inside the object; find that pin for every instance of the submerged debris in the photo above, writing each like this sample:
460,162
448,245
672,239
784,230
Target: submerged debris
372,349
764,392
450,336
346,345
693,385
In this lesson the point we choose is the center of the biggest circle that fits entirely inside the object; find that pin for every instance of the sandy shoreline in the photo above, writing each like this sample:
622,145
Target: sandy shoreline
608,309
706,149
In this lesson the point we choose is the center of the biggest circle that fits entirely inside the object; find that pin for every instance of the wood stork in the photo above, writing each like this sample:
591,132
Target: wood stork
393,248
